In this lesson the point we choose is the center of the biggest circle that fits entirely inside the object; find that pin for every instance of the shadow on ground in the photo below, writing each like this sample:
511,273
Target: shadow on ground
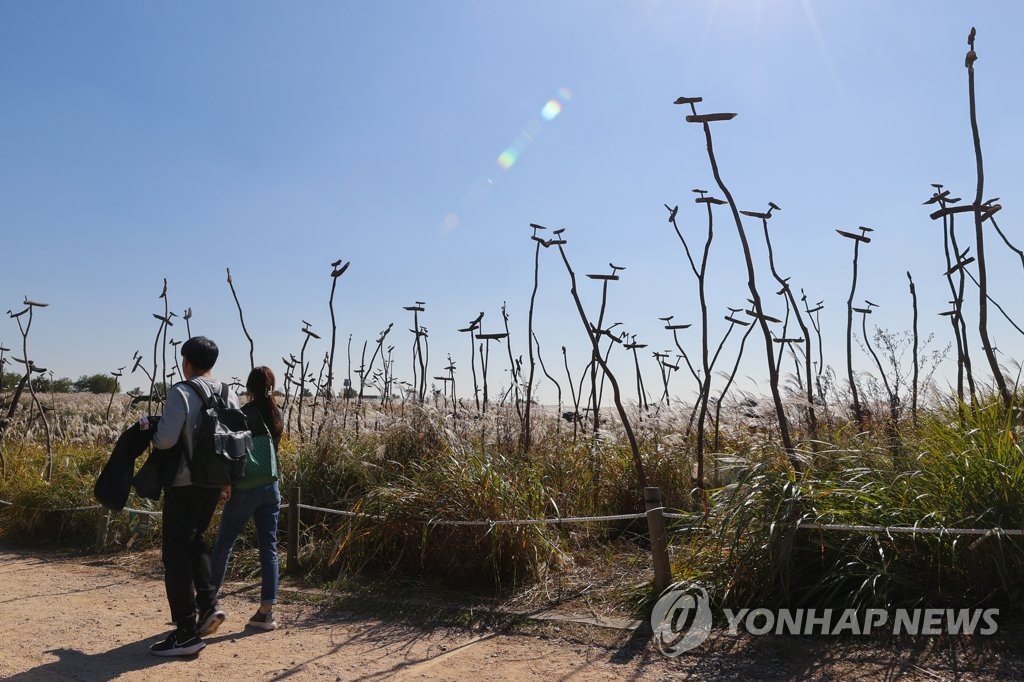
72,664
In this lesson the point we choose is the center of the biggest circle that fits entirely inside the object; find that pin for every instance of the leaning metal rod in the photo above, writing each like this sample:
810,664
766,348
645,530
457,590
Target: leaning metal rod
531,338
471,330
728,383
544,370
979,234
812,419
964,369
773,376
252,353
336,272
858,412
706,363
513,373
29,368
913,394
641,473
163,346
574,395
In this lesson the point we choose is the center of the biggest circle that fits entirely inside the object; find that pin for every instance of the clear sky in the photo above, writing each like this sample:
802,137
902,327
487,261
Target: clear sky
149,140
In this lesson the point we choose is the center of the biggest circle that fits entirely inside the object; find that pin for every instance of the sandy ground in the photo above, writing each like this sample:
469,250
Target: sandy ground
83,618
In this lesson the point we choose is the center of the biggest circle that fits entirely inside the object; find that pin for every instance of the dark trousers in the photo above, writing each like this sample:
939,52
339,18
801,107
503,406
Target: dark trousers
187,575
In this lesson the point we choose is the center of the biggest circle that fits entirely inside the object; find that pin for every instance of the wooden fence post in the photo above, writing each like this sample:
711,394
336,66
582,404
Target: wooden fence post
659,539
292,566
101,530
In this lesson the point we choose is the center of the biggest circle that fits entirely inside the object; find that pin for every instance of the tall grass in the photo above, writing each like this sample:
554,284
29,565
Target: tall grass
417,475
962,473
48,512
414,468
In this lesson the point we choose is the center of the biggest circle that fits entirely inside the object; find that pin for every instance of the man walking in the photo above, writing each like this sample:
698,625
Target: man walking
188,508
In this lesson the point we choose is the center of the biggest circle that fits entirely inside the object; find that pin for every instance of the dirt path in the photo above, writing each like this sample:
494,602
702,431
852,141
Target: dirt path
67,618
73,618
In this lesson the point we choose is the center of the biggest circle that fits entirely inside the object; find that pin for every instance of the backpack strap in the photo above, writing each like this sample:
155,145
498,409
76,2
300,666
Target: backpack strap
200,390
263,423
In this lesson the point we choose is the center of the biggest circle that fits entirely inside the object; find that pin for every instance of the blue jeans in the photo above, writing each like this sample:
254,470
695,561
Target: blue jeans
263,505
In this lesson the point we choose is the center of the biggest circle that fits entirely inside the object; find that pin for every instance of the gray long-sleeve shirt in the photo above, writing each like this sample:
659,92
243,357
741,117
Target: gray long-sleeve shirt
179,421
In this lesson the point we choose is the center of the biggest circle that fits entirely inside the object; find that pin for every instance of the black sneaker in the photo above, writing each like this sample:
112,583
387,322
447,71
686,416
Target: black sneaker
209,620
263,621
177,644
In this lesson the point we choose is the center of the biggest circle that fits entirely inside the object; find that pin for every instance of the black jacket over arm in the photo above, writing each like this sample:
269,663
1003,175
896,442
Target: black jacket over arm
115,481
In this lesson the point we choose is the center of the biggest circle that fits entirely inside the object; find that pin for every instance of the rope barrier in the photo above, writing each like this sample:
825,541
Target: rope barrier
853,528
437,522
284,503
539,522
490,522
914,530
146,512
62,509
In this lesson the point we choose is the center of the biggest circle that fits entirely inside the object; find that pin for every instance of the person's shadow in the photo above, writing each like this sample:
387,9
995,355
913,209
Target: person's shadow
72,664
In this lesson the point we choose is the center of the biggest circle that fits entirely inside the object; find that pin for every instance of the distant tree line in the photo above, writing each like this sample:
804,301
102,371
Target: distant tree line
94,383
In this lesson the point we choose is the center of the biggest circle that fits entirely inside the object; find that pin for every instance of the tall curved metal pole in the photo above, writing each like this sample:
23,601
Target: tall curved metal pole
773,375
979,234
252,350
638,463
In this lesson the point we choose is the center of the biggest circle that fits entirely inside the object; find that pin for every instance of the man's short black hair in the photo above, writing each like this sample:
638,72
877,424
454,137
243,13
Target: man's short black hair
201,352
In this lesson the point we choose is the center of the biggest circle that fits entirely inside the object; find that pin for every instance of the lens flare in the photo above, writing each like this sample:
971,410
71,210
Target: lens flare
527,136
508,158
551,109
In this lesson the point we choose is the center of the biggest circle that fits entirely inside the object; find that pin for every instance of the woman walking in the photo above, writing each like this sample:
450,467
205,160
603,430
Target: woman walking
256,496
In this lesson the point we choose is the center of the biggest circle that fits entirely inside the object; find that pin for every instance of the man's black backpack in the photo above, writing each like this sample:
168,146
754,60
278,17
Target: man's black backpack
222,441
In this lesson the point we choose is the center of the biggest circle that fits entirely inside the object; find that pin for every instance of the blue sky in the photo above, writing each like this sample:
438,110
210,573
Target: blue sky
143,140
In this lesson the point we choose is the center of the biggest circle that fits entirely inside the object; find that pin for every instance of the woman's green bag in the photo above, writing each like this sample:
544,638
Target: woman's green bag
261,468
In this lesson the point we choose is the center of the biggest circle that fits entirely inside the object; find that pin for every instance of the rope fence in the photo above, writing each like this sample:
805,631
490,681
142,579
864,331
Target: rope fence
144,512
655,516
381,517
148,512
854,528
912,530
491,522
